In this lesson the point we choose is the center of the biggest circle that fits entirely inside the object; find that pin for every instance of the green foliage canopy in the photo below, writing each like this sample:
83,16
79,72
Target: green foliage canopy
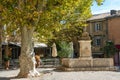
44,15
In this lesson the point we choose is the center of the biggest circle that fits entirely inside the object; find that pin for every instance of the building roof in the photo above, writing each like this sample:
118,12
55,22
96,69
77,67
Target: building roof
104,16
99,16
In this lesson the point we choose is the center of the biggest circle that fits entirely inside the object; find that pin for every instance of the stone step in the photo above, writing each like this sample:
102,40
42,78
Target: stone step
88,69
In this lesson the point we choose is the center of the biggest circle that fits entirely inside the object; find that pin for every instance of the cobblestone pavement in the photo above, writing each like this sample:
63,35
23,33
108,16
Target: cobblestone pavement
50,74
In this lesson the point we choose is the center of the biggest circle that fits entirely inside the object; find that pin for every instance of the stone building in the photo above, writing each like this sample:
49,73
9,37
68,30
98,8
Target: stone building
104,27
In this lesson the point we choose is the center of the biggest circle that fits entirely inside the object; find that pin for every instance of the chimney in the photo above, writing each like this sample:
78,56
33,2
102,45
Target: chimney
118,11
113,12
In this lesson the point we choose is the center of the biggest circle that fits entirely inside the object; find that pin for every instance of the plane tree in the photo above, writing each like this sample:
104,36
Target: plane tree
43,16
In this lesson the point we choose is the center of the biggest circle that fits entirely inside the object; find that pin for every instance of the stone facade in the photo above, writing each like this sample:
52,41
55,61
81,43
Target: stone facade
104,27
114,29
97,34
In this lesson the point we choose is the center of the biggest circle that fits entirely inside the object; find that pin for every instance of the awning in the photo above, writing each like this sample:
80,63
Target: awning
13,43
117,46
36,45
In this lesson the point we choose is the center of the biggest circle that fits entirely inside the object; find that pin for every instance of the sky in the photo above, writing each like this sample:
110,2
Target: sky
106,7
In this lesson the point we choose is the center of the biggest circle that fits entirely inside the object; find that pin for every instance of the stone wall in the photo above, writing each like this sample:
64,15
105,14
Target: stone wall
103,62
76,63
81,63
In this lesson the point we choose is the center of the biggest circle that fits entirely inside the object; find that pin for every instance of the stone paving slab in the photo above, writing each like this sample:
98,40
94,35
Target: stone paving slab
50,74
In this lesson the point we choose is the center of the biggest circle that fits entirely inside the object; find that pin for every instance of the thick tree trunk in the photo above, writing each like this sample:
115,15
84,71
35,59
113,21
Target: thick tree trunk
0,44
27,57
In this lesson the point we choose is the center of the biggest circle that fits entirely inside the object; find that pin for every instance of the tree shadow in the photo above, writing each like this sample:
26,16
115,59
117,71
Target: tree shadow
52,70
58,70
3,69
46,71
10,78
5,78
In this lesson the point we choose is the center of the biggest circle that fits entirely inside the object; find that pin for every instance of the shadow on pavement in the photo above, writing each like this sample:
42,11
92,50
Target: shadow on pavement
46,71
4,78
2,69
7,78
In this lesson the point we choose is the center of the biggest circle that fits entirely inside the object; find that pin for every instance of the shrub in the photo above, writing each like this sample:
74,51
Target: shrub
65,50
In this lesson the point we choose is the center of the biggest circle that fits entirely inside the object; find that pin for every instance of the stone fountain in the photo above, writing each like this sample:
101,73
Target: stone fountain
85,62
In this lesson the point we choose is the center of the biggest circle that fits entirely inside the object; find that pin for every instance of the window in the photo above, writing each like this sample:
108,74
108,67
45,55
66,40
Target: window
98,41
98,26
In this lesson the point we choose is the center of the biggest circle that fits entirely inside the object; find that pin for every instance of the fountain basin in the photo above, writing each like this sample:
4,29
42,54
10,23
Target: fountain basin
96,64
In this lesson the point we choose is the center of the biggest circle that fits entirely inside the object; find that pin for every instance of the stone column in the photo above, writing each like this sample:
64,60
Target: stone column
85,46
85,49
